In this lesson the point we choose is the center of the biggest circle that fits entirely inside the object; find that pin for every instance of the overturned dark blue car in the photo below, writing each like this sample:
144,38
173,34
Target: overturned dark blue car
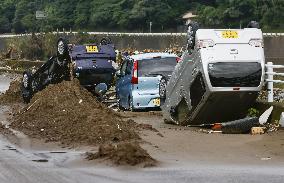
93,64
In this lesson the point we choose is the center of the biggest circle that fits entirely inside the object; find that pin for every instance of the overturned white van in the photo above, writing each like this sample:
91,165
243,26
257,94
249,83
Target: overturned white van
218,80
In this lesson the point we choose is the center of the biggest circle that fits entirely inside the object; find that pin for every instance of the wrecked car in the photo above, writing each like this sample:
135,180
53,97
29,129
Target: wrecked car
142,80
92,64
218,77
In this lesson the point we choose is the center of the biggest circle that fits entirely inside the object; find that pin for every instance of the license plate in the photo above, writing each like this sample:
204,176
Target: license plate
92,49
157,102
230,34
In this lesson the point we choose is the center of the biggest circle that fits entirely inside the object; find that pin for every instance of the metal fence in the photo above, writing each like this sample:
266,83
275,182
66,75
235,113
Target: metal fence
126,34
270,72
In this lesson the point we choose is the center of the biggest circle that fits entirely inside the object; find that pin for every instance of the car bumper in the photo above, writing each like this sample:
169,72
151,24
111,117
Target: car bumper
146,101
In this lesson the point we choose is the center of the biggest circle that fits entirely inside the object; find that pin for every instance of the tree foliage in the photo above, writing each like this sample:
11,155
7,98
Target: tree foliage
135,15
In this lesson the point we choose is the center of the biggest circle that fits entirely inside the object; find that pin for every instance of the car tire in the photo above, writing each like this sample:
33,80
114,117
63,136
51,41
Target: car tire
162,89
26,88
106,41
62,51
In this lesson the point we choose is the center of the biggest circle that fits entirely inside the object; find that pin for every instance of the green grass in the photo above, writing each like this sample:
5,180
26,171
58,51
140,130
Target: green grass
280,30
278,85
278,108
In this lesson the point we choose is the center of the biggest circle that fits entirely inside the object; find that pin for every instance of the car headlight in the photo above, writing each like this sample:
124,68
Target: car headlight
256,42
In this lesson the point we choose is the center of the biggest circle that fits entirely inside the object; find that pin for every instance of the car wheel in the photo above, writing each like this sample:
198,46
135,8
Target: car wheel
62,51
106,41
26,88
162,88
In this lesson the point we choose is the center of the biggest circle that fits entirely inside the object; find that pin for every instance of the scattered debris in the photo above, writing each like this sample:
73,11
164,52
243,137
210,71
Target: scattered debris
214,131
278,95
257,130
155,113
232,127
239,126
57,152
125,153
40,160
147,127
159,134
265,159
4,130
265,116
208,131
272,127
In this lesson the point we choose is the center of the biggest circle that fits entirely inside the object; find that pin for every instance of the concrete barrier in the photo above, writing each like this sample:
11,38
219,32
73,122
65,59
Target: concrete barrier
160,41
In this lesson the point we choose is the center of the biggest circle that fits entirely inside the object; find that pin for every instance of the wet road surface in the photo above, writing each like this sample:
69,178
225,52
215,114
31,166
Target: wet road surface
20,166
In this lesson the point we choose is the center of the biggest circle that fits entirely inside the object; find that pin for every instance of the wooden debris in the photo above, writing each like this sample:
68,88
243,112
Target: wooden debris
257,130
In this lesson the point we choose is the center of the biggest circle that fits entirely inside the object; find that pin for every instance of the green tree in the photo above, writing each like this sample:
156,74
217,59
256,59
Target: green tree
135,15
5,25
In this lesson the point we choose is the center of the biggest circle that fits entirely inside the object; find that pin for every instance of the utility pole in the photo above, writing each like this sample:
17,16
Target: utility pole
151,23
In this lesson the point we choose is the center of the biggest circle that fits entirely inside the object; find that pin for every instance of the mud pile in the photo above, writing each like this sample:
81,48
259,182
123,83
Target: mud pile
13,94
68,113
126,153
5,131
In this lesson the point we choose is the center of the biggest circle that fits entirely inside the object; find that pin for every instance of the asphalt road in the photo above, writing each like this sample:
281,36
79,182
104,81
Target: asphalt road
23,160
17,166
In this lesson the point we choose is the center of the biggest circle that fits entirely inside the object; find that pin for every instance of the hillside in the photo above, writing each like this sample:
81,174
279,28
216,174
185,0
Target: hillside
135,15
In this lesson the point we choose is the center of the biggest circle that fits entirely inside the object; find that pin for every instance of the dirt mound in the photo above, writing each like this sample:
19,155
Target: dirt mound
4,130
126,153
13,94
68,113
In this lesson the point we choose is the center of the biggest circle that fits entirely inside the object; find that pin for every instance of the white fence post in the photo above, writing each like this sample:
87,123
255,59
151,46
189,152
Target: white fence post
270,82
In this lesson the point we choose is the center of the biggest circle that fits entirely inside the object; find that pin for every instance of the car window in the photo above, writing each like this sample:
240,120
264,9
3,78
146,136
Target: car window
156,66
235,74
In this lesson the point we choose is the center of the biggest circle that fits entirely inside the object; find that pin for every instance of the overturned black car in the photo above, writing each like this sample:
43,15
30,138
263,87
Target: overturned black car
93,64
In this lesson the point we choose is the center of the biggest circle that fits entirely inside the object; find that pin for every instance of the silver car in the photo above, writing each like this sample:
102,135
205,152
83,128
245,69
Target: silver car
218,80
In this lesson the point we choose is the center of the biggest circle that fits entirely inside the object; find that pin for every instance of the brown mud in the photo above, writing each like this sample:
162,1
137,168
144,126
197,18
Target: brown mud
13,94
68,113
125,153
4,130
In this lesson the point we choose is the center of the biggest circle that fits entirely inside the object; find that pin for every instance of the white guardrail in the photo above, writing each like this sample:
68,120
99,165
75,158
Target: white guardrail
125,34
270,73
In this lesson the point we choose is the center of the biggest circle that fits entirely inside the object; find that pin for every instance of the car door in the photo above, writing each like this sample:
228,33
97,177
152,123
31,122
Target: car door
120,85
126,83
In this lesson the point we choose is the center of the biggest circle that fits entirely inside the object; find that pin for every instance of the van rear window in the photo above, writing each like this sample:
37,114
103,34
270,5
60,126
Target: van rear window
156,66
235,74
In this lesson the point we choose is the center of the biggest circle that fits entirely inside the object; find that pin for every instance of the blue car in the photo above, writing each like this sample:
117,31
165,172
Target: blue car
93,65
142,80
